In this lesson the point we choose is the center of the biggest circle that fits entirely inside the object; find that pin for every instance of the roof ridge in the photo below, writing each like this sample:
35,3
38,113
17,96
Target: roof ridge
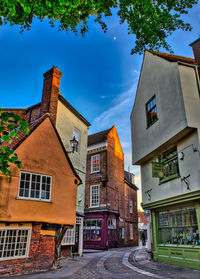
109,129
172,56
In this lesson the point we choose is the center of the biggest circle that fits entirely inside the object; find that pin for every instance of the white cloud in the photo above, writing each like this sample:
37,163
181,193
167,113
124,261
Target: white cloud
118,112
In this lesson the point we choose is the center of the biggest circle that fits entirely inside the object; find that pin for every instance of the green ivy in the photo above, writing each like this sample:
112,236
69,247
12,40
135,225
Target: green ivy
151,21
11,125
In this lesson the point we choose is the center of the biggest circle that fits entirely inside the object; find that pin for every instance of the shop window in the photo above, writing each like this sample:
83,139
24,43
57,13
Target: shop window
178,227
92,229
151,111
35,186
95,163
94,195
169,160
14,242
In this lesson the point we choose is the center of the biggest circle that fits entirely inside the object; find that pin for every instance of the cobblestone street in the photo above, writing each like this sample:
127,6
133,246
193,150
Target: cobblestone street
121,263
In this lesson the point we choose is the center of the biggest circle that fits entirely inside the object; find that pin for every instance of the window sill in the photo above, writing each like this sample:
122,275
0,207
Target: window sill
29,199
152,124
94,172
13,258
169,179
179,246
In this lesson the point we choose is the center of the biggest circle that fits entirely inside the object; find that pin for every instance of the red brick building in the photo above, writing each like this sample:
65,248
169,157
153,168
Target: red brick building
110,195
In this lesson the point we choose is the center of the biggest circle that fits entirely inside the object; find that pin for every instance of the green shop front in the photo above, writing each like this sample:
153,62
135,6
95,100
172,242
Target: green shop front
175,230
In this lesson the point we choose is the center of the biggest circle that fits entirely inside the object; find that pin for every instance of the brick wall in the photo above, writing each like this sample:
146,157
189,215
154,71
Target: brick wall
51,89
93,178
41,255
114,192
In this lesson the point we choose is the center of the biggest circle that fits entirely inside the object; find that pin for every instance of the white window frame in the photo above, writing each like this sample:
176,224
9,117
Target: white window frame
69,237
130,206
91,188
30,198
131,231
122,232
29,229
77,138
92,159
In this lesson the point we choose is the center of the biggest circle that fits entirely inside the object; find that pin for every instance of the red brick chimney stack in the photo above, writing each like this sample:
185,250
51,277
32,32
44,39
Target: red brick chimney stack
51,88
196,50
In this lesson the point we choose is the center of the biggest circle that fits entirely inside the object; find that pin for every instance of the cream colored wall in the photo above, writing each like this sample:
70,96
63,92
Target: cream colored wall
191,95
189,165
36,154
66,121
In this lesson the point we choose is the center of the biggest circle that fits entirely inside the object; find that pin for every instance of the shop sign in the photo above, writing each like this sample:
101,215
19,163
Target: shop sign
157,170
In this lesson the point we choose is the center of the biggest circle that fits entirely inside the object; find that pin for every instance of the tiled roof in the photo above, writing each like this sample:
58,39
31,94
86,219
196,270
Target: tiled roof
173,58
98,137
22,135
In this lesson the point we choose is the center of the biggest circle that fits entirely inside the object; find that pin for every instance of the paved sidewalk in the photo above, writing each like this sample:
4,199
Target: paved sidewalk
142,260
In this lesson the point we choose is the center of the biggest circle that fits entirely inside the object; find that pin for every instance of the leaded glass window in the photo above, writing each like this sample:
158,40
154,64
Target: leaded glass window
169,159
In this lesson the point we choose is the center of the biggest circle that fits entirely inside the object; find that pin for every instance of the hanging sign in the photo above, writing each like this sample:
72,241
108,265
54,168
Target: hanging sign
157,170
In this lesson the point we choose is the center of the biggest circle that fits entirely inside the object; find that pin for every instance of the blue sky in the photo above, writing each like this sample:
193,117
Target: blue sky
99,74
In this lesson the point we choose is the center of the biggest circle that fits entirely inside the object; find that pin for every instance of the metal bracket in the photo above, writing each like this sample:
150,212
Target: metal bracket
186,180
148,192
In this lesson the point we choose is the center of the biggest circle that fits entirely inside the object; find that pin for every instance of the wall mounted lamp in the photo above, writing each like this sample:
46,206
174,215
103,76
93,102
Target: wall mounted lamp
74,145
181,156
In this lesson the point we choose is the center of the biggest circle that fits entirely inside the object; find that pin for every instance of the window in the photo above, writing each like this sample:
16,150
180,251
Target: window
92,229
95,163
35,186
169,160
131,231
112,223
178,226
69,237
94,196
130,206
151,111
122,233
14,242
76,135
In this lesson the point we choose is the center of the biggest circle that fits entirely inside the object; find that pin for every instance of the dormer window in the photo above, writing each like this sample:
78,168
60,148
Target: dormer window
151,111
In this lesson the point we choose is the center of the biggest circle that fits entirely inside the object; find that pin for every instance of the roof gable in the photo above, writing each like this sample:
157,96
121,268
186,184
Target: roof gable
32,127
98,137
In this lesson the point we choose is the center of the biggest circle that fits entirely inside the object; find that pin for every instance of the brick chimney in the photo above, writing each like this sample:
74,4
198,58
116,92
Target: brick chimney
50,92
196,50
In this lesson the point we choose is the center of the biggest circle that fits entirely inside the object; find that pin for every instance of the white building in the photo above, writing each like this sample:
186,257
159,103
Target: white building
165,123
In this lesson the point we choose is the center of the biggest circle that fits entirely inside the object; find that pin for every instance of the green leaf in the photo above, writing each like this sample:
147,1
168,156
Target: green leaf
5,138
